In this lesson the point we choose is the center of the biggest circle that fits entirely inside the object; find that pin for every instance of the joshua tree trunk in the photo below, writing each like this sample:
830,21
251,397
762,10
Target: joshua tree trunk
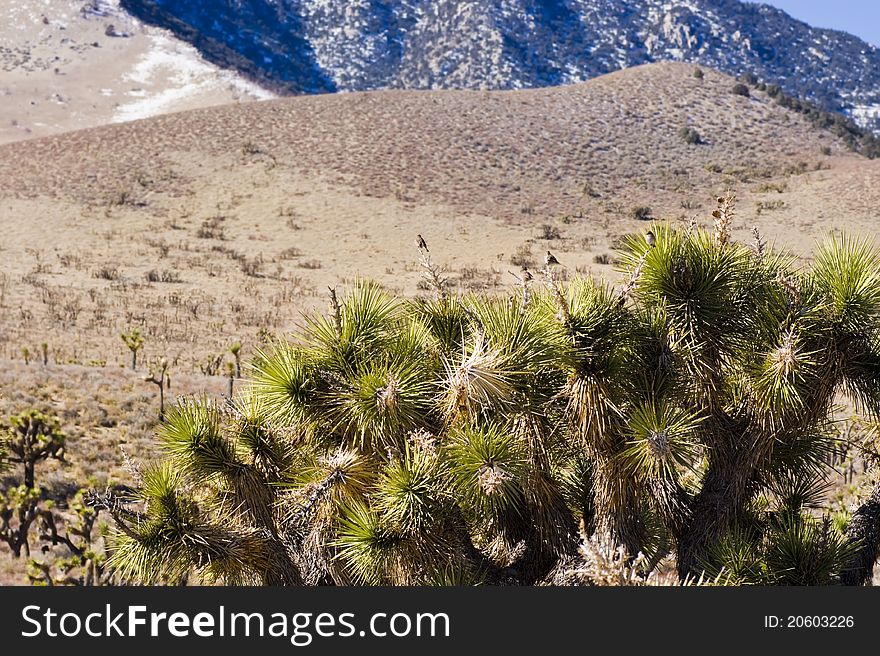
714,509
134,359
726,488
29,465
864,531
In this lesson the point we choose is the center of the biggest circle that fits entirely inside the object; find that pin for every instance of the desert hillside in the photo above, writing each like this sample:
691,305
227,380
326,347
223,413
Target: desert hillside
222,225
208,226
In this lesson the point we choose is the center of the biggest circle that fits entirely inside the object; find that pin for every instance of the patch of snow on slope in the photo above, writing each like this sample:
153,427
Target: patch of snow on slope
865,115
172,72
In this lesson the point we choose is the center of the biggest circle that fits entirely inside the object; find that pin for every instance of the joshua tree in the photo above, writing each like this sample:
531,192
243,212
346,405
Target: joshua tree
159,376
230,376
29,438
468,438
235,350
44,349
134,341
85,561
26,354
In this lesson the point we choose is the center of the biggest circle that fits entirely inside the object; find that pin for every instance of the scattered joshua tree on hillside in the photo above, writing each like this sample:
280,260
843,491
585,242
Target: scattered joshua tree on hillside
235,350
134,341
230,377
465,438
72,554
160,377
28,439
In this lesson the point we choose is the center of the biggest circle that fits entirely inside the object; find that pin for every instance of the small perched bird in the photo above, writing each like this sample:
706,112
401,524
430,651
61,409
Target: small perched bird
650,238
526,274
420,242
550,258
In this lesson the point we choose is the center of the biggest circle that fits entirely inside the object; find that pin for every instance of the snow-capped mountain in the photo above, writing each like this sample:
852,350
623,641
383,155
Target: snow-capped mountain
314,46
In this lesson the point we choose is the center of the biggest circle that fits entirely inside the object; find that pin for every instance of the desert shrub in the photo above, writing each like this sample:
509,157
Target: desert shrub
749,78
767,187
107,273
768,206
549,232
166,275
690,136
252,267
212,228
641,213
740,89
698,73
523,257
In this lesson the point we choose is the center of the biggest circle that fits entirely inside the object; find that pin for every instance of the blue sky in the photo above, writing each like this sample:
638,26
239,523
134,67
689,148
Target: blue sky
859,17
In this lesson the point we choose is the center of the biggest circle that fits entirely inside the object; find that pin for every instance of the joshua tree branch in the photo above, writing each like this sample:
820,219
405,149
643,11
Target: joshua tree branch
113,505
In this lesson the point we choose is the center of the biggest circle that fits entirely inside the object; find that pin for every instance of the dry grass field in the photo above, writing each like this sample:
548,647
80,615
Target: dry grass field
205,227
219,225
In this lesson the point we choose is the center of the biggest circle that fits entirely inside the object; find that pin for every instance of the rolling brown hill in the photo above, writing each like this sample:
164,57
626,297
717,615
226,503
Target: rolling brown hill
239,206
205,226
495,152
216,225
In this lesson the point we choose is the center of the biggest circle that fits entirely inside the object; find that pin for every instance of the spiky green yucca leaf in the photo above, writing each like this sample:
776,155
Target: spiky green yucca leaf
367,316
478,382
192,436
804,551
446,321
159,551
737,557
798,491
525,339
705,289
325,481
369,546
847,271
255,439
803,453
456,574
488,466
598,359
377,405
661,441
576,483
177,537
412,490
785,378
860,371
598,331
286,380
